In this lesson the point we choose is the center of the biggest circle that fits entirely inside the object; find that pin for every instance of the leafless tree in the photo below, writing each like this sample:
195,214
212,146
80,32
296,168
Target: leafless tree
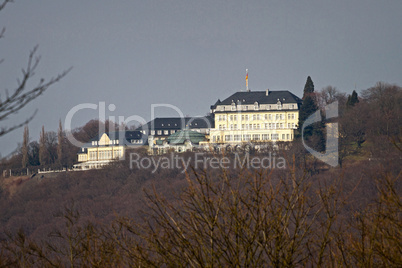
60,141
329,94
385,102
14,100
5,2
51,146
42,147
25,144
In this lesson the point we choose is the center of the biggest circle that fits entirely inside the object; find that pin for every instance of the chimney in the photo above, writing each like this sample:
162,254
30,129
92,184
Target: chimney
267,92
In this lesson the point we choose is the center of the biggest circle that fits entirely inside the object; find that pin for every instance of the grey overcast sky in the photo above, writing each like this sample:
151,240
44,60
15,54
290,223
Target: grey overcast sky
190,53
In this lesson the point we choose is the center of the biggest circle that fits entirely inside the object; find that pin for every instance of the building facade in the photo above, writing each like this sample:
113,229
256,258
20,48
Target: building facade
108,147
162,127
255,117
248,118
180,141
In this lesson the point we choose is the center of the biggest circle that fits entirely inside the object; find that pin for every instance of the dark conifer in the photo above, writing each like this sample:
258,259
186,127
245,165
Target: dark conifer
308,108
352,99
308,88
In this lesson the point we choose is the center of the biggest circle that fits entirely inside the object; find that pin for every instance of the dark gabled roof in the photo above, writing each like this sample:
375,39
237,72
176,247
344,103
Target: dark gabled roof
200,122
250,97
83,150
128,135
216,103
176,123
133,135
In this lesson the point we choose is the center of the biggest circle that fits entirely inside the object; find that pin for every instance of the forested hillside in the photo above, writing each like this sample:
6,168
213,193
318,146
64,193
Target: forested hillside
120,216
301,212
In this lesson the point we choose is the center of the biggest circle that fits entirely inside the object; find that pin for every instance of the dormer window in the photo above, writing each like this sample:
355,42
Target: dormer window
255,105
279,104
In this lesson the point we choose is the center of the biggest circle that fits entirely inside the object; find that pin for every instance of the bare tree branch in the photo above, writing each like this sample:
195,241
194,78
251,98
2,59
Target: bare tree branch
21,96
11,103
5,2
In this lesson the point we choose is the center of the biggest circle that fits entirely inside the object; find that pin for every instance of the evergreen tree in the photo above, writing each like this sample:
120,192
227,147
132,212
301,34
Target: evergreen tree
25,144
308,88
314,132
352,99
308,108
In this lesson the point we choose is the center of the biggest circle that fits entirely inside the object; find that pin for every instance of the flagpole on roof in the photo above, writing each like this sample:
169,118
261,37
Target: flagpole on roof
247,80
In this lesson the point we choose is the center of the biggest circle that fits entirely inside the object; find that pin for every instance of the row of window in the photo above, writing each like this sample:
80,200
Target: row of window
117,141
195,124
105,155
257,126
246,117
257,107
165,132
110,142
82,157
253,137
